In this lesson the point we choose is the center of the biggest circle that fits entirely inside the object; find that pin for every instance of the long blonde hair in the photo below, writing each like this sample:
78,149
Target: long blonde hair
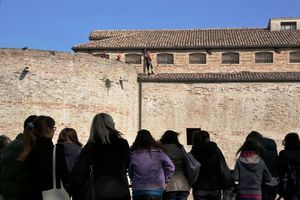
102,127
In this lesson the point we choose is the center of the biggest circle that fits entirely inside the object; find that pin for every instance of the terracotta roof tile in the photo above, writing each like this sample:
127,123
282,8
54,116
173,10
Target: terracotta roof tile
197,38
222,77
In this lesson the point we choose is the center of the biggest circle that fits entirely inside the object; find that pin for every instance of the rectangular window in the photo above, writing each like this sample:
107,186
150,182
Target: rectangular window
165,58
230,58
264,57
133,58
189,135
288,26
295,57
197,58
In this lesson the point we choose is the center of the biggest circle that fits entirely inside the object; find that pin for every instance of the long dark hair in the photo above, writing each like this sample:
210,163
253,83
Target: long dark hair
68,135
39,127
254,135
250,145
170,137
291,141
144,140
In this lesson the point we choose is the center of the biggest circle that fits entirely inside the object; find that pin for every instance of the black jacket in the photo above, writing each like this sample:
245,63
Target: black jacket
286,156
209,156
269,155
66,156
107,159
40,167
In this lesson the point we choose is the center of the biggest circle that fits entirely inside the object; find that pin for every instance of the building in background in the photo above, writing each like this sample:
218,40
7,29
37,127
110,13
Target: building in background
274,48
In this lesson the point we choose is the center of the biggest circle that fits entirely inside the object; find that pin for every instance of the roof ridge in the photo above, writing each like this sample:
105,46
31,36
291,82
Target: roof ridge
177,29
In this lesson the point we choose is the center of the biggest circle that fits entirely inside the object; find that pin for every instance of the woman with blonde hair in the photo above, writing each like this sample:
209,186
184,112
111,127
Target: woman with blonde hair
107,153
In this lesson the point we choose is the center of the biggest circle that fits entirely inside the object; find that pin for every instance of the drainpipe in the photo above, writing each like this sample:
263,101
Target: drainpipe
144,63
140,104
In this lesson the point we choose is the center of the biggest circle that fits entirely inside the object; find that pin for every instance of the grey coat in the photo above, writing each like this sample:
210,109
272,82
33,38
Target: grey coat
178,180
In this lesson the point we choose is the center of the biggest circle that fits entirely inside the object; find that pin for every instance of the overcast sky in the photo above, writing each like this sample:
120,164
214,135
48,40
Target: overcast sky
60,24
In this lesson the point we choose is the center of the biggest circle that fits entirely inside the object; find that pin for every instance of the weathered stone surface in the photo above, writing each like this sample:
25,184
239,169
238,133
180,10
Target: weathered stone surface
71,88
228,111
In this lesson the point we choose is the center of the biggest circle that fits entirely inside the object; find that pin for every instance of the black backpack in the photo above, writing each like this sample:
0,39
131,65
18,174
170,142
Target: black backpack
288,182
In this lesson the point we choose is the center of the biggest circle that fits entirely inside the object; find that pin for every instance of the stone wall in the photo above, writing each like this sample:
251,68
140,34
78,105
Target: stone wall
228,111
71,88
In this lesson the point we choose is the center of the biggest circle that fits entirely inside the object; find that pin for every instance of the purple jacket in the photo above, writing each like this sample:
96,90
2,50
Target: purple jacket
150,169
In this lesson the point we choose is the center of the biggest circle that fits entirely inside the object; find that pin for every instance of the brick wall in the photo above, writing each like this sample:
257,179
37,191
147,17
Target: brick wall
214,61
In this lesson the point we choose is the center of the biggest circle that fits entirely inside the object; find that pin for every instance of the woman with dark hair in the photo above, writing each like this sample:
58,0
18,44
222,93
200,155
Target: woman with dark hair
207,186
149,169
38,151
107,153
14,173
4,141
289,161
68,149
250,171
268,152
178,186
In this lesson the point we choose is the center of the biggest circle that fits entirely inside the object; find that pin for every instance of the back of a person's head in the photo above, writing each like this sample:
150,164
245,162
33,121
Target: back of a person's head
68,135
102,126
4,141
144,140
29,120
200,137
41,125
250,145
291,141
170,137
254,135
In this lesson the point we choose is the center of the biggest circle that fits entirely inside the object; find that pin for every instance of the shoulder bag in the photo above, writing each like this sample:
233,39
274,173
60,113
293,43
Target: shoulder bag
192,168
55,193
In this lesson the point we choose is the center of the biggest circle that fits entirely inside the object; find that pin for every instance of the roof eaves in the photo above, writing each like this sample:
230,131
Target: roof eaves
241,77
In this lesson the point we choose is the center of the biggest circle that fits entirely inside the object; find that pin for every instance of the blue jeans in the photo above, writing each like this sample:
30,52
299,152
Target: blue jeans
176,195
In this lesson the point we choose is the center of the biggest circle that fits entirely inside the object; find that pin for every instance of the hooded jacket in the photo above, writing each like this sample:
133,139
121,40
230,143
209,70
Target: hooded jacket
250,171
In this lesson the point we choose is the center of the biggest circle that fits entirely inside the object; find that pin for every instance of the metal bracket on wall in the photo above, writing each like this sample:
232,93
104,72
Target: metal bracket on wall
121,80
23,73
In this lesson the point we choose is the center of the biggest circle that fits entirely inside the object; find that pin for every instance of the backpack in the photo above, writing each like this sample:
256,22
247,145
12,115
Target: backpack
288,182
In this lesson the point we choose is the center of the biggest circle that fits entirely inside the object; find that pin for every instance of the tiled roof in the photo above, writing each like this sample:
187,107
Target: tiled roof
222,77
197,38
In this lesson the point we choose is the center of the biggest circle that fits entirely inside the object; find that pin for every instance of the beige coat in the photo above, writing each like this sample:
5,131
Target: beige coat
178,181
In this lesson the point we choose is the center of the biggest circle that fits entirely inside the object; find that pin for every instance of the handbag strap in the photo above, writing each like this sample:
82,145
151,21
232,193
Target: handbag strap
53,167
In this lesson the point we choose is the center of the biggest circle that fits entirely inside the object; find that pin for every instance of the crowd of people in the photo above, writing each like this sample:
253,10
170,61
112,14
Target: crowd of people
156,168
